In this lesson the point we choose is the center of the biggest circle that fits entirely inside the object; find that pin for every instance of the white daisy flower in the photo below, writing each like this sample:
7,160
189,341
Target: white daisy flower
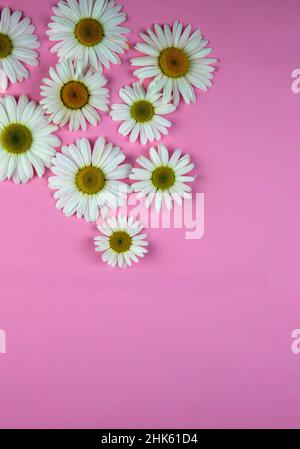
142,112
176,57
26,139
73,94
87,180
122,242
89,31
17,44
163,178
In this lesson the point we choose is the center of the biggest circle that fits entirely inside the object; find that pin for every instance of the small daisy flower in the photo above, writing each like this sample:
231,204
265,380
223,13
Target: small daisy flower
122,241
89,31
176,57
26,139
73,94
17,44
142,112
87,180
163,178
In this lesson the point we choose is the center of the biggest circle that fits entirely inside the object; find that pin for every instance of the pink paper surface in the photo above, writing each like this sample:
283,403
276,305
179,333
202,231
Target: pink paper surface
199,333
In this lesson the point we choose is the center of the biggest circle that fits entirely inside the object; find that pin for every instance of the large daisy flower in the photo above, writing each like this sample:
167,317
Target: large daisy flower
89,31
176,57
17,44
122,241
163,178
73,94
26,139
142,112
87,180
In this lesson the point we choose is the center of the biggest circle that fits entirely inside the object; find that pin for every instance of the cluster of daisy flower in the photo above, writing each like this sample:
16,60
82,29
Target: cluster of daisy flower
89,180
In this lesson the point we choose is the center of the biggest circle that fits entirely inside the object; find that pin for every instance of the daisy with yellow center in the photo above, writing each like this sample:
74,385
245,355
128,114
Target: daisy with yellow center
142,112
176,57
17,47
27,141
89,32
122,242
88,180
162,178
73,94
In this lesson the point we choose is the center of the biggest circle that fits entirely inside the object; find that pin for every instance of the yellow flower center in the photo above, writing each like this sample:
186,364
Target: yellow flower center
16,138
120,241
89,32
163,178
173,62
5,45
90,180
142,111
74,95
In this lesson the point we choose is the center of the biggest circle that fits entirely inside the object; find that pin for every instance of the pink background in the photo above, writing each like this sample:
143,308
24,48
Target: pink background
199,333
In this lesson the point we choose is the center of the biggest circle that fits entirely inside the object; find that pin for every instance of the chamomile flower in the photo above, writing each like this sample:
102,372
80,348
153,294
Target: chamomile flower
176,57
17,44
87,180
89,31
142,112
122,242
73,94
26,139
162,178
